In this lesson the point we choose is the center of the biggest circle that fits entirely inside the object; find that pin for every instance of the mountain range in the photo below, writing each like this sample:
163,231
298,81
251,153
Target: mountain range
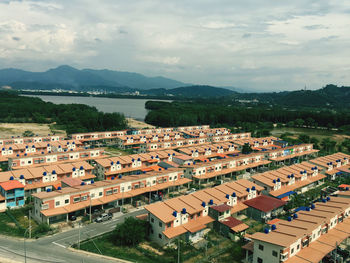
70,78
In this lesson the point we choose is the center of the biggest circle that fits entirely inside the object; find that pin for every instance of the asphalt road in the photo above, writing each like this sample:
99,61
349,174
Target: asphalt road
54,249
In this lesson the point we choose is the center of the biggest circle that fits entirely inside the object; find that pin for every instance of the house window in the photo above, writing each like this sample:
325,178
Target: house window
100,193
66,201
160,236
261,247
76,199
84,197
57,203
152,220
160,224
292,251
298,247
274,253
260,260
109,192
115,190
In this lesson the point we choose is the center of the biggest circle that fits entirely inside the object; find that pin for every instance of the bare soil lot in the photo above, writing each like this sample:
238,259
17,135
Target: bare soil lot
7,130
138,124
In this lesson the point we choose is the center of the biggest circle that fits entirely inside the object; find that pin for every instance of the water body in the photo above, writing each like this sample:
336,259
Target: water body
133,108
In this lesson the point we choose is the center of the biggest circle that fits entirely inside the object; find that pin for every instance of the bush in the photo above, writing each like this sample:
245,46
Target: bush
42,229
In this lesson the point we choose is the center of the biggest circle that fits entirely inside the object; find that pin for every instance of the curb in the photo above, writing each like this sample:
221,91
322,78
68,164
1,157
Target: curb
98,255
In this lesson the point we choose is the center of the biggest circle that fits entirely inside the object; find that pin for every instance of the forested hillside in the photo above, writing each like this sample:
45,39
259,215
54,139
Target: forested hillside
71,117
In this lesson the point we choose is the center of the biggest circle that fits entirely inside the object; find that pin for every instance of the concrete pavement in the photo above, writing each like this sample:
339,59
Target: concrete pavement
54,249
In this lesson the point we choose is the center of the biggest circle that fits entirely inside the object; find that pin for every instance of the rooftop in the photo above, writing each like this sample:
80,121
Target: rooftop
265,203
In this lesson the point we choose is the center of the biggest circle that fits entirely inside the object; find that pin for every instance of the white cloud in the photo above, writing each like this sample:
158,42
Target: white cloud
260,44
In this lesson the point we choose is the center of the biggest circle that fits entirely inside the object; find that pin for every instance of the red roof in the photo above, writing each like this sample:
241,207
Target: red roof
265,203
231,222
344,186
221,208
12,184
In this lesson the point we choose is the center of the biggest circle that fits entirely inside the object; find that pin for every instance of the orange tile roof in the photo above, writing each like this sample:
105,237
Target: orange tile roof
10,185
174,231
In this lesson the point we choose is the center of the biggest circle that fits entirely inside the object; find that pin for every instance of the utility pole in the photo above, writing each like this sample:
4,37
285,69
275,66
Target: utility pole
30,225
178,251
90,207
79,236
24,246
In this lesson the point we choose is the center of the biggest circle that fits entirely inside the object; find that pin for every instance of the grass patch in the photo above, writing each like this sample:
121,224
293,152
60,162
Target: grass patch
148,252
319,134
14,222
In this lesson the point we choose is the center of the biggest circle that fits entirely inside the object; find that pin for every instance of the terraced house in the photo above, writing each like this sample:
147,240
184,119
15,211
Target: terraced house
39,179
187,217
288,180
107,168
206,170
54,206
53,158
295,152
28,140
334,165
214,150
307,237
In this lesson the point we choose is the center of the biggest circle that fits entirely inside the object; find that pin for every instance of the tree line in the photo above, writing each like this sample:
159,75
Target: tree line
221,112
71,117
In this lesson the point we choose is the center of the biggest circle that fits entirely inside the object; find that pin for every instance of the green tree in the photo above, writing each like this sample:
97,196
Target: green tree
304,138
246,149
131,232
315,142
299,122
328,145
346,144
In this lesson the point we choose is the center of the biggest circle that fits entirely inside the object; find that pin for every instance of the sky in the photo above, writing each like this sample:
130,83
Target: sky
255,45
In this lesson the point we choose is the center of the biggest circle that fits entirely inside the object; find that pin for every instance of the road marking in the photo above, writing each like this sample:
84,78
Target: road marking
58,244
108,222
89,231
66,238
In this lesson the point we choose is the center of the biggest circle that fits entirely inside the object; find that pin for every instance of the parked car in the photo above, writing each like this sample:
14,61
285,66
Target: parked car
104,217
192,190
72,218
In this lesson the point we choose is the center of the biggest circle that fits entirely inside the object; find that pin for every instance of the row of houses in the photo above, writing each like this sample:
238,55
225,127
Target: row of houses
37,148
53,206
187,217
33,160
41,178
109,135
30,140
306,237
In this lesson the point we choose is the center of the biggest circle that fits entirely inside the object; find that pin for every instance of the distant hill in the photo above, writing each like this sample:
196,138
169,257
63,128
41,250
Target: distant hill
195,91
70,78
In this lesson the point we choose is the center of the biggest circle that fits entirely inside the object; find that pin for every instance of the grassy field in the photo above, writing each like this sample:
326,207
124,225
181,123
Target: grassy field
317,133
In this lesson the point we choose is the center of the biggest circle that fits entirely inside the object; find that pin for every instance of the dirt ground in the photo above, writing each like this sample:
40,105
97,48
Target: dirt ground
7,130
138,124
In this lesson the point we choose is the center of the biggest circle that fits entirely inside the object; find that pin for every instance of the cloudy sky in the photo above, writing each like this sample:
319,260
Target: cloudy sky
264,45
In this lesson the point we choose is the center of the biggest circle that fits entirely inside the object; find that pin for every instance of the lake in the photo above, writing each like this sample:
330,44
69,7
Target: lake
133,108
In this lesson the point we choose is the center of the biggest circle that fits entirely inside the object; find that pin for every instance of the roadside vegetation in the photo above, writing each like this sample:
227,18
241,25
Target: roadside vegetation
14,222
137,248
